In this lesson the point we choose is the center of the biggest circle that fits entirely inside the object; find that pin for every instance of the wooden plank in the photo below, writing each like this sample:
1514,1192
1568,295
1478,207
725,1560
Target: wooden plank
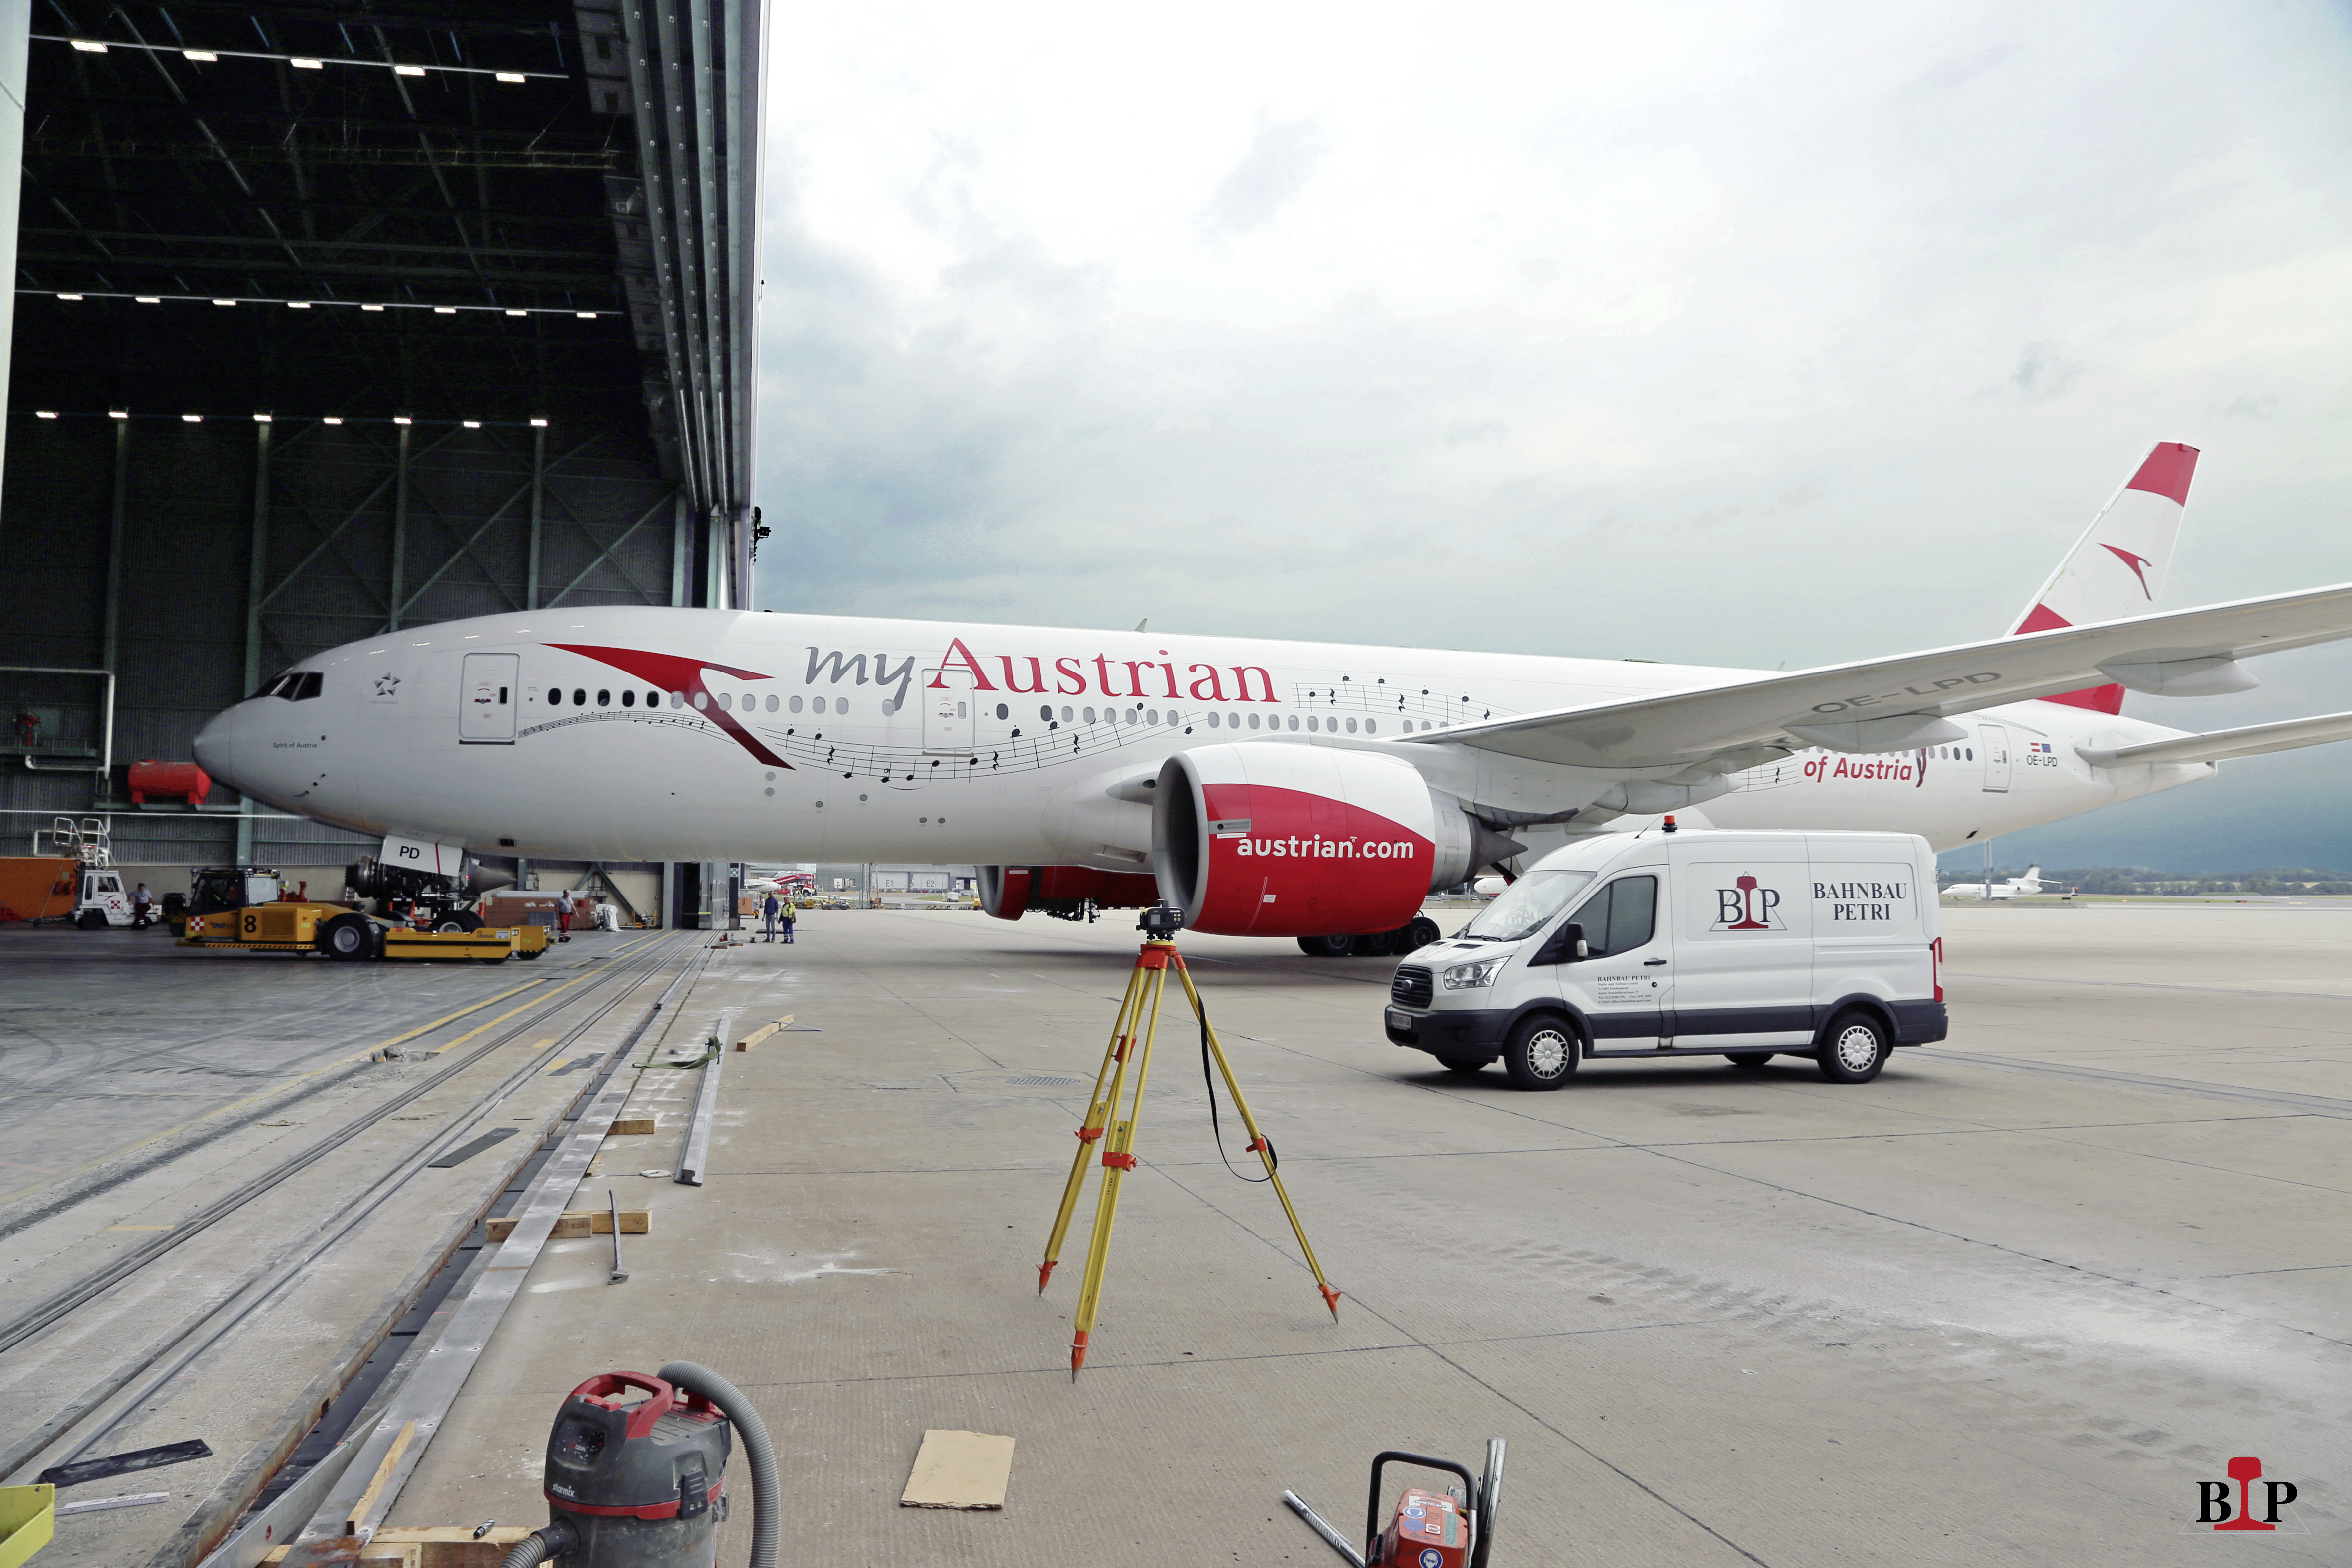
632,1126
453,1545
576,1223
382,1474
763,1033
960,1469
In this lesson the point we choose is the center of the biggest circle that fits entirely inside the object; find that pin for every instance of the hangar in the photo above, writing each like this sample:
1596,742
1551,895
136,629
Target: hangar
333,318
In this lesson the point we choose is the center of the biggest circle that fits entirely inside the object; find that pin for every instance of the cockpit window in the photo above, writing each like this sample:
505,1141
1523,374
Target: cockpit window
304,687
275,687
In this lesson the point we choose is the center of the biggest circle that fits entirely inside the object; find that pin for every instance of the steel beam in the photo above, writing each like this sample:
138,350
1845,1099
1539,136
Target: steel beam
399,530
256,593
538,506
111,651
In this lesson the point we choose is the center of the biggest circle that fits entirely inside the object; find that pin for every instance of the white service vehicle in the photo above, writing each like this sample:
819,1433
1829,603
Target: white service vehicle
1688,943
100,901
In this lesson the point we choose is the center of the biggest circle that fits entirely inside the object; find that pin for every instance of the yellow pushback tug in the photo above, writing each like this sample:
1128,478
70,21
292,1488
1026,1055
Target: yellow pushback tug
243,907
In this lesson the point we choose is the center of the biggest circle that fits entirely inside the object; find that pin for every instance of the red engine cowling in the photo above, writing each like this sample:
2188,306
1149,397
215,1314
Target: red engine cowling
1275,839
1009,892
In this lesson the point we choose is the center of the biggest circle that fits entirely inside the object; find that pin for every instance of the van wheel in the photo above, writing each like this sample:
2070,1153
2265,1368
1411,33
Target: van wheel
1853,1048
1748,1057
1468,1066
349,938
1542,1053
1417,934
1327,946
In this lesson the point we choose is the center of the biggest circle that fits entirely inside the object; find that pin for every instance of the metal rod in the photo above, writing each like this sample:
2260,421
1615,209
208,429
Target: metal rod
619,1273
695,1163
1322,1527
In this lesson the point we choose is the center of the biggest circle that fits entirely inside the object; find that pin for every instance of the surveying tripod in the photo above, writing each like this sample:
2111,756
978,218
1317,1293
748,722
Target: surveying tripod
1130,1050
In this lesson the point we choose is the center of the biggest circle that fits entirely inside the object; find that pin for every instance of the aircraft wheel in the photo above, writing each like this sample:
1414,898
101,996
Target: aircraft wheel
348,937
1751,1059
1416,934
1853,1048
1543,1052
1327,946
453,921
1375,945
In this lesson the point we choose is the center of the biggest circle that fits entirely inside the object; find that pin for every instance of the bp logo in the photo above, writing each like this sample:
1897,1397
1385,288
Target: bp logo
1747,906
2234,1504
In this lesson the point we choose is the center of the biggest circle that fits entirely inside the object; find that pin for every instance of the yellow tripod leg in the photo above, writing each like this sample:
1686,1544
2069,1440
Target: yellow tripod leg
1118,1158
1257,1144
1098,1106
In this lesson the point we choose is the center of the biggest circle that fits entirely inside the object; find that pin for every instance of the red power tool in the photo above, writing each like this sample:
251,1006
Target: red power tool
1449,1529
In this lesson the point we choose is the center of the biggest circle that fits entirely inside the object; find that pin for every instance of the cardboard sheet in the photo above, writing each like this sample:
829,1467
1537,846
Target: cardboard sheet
960,1469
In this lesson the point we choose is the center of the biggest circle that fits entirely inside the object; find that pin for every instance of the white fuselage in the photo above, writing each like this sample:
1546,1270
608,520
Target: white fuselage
664,735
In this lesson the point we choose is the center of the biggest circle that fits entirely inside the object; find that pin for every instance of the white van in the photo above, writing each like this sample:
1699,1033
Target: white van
1692,944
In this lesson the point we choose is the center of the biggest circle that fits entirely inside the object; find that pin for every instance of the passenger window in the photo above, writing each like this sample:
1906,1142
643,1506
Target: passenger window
1621,917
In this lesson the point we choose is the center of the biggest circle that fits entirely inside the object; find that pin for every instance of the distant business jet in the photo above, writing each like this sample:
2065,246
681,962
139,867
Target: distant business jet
2015,887
1270,788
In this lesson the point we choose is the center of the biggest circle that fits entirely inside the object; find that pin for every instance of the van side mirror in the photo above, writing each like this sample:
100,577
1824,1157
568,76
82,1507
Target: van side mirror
1564,945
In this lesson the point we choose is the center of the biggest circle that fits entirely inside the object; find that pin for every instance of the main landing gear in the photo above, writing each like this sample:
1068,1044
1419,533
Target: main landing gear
1413,935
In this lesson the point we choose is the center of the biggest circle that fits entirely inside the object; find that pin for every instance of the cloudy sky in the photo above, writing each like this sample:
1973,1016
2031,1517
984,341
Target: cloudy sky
1724,334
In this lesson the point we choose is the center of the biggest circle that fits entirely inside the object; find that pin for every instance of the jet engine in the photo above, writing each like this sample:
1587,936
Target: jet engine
1259,840
1063,892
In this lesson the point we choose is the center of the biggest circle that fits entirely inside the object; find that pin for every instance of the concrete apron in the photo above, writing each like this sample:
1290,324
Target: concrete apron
1722,1317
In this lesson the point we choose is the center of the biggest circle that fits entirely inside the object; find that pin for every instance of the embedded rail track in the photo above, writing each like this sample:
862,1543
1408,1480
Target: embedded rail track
673,959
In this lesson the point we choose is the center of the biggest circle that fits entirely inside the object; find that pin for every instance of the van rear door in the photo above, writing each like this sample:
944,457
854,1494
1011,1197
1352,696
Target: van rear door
1743,951
1870,918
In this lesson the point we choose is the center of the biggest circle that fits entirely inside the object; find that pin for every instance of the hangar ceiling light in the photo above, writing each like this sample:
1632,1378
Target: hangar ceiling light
299,62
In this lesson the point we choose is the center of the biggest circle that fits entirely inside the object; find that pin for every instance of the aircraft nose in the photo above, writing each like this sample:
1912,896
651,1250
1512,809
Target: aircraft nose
216,748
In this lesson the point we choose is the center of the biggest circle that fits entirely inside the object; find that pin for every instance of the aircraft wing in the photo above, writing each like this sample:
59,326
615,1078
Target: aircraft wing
1893,705
2252,740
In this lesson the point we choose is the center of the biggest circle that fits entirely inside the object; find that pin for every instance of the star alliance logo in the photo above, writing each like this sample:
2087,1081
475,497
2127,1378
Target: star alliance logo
387,685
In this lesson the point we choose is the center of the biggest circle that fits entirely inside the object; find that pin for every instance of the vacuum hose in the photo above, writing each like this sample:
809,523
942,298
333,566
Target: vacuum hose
543,1545
765,1503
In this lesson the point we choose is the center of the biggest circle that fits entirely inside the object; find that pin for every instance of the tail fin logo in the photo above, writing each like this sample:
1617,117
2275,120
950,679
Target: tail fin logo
2138,563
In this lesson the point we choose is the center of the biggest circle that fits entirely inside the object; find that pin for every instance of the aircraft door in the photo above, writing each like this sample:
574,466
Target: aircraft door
950,713
1994,740
489,693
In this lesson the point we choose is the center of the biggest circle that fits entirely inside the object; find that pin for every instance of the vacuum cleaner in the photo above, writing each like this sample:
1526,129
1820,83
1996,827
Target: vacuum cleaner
642,1482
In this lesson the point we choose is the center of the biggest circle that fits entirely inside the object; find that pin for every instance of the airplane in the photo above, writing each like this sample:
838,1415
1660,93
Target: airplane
2024,886
1290,789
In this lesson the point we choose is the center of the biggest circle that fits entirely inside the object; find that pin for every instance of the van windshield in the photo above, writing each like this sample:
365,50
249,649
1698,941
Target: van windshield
1526,906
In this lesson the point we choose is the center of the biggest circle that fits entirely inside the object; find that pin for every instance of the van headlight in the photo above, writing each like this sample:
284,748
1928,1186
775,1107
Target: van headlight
1463,977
